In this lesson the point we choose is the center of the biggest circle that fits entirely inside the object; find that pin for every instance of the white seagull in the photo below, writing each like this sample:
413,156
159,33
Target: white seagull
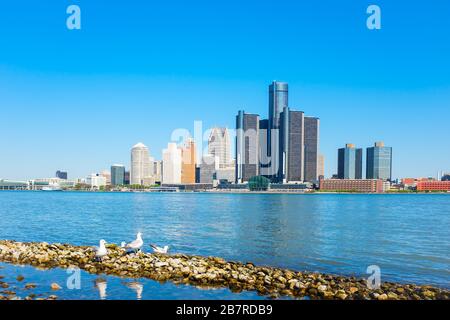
137,244
157,249
101,250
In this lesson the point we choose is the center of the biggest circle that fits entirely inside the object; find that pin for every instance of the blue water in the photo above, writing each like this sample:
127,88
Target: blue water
407,236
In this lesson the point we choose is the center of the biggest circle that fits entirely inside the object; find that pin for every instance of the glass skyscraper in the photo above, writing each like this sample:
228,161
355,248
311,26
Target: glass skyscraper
117,175
350,162
379,162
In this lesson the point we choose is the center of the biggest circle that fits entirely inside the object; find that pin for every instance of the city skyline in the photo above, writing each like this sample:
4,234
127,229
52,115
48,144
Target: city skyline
78,100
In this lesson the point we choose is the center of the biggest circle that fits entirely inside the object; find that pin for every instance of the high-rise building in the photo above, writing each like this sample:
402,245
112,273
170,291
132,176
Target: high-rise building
126,178
247,146
350,162
379,162
219,145
278,100
188,155
311,148
157,170
171,168
292,141
140,172
208,168
61,174
117,174
321,169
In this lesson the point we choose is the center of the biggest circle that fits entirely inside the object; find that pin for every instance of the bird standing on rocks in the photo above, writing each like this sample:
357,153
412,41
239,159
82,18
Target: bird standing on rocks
137,244
101,251
157,249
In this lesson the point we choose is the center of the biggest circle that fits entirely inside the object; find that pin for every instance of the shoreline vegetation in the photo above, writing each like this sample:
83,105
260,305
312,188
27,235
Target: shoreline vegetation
199,271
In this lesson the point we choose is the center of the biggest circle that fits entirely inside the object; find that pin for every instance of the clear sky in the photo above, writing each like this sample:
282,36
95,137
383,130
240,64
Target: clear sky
80,99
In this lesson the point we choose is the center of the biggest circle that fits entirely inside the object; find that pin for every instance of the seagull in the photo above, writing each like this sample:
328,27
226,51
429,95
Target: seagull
101,250
157,249
137,244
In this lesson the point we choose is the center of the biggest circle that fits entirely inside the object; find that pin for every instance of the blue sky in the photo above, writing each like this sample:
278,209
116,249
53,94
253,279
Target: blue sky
79,99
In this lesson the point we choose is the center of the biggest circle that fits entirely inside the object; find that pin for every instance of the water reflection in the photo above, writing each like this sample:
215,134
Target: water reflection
101,285
136,287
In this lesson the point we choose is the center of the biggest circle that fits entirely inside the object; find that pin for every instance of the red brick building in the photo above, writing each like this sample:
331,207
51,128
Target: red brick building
352,185
433,186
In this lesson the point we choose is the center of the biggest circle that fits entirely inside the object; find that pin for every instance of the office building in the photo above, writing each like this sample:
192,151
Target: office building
219,145
379,162
171,167
208,168
247,146
117,174
311,133
292,146
321,166
443,186
96,181
350,162
140,173
188,155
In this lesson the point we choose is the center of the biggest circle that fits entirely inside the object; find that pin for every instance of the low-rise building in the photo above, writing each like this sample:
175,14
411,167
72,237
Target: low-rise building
352,185
433,186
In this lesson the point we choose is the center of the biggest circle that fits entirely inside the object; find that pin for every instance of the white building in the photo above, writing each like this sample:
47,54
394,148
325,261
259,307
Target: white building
171,164
219,145
96,181
140,171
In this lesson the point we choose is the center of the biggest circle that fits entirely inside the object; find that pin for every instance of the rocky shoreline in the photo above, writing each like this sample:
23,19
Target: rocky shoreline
210,272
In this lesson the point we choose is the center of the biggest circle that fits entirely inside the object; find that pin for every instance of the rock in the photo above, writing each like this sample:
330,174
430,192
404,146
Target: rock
382,296
392,296
30,286
322,288
20,278
55,286
352,290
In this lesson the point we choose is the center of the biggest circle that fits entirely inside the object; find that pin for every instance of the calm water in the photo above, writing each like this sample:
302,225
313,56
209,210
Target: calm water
407,236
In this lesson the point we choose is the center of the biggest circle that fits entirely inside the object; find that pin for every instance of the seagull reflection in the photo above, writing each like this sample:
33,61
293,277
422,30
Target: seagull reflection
101,286
137,287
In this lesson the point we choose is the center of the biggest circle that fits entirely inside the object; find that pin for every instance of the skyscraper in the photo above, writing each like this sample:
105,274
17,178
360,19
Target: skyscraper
219,145
379,162
140,171
117,174
247,146
321,169
292,142
350,162
278,100
311,148
188,155
171,167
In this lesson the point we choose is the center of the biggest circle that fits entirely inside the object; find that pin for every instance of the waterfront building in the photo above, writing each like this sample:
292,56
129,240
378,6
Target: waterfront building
171,166
226,174
188,155
96,181
13,185
208,168
247,146
61,174
117,174
445,177
433,186
350,162
292,143
352,185
379,162
140,173
311,133
219,145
